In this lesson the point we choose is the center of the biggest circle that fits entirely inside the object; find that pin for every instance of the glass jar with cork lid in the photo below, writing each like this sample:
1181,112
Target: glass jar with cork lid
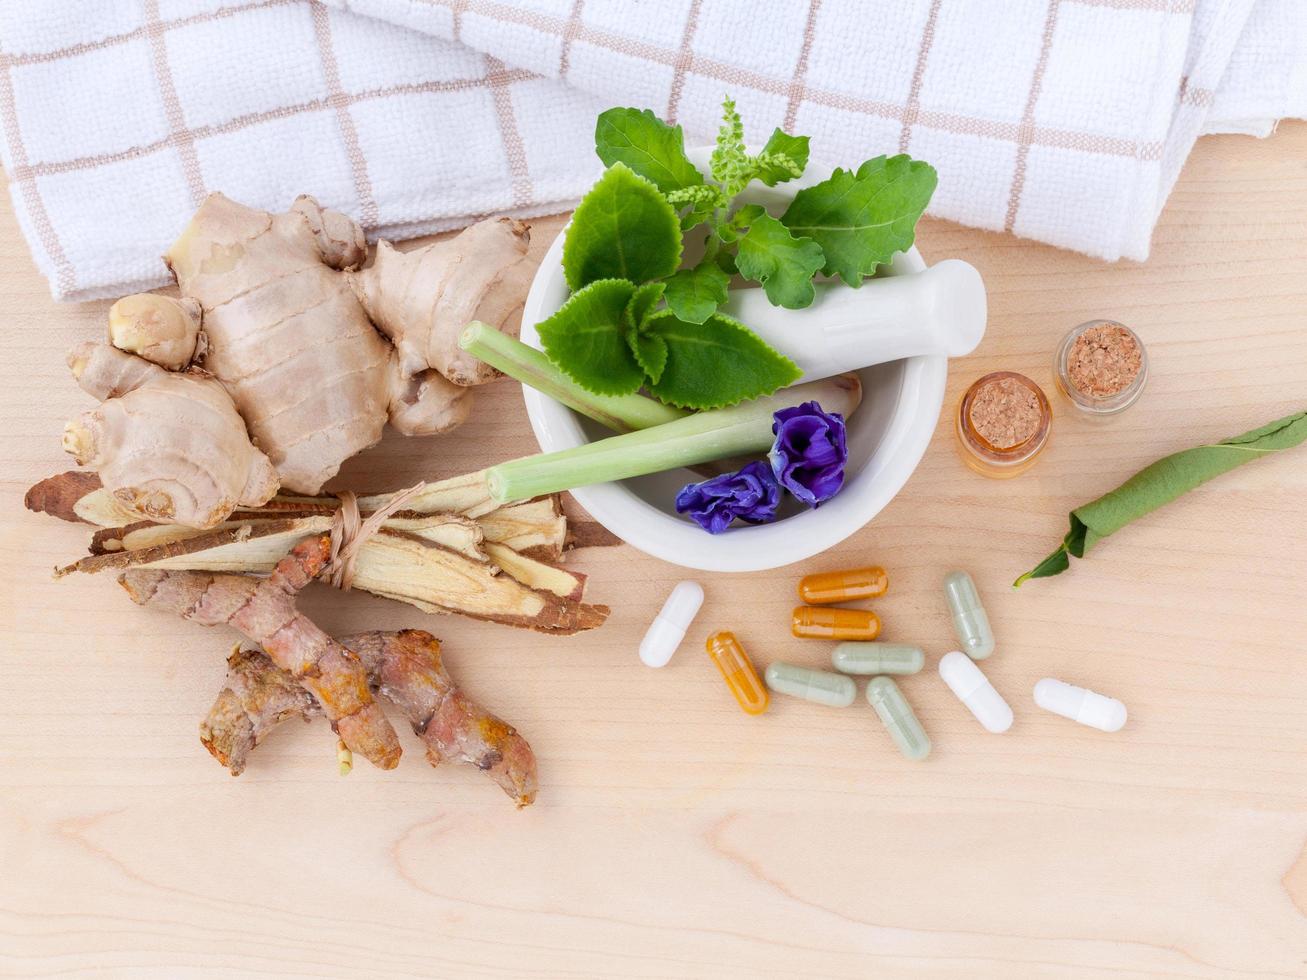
1002,424
1101,367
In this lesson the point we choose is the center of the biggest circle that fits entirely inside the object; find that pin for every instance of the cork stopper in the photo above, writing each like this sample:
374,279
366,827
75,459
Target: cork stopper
1005,413
1104,360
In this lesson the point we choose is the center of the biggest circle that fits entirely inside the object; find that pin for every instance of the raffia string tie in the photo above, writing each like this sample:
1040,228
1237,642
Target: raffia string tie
349,531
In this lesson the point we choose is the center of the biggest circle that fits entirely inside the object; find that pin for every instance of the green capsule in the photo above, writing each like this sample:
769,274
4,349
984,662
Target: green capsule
897,717
877,658
821,686
969,618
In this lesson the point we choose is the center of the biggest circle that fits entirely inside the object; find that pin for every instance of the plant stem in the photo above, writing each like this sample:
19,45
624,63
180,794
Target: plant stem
700,438
621,413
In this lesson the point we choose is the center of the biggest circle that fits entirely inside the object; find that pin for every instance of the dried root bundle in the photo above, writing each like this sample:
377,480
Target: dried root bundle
500,566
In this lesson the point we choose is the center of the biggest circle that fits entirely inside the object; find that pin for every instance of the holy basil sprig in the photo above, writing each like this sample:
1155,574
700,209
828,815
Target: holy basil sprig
1163,482
636,319
844,226
620,257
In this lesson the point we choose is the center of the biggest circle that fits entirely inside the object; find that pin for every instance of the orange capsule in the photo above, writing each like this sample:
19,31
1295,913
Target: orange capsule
826,623
844,585
738,672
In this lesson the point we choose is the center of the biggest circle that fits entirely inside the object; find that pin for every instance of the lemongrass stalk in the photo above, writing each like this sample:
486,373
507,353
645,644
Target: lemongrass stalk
700,438
621,413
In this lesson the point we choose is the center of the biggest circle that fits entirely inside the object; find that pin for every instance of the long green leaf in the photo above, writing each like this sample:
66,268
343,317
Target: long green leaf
1161,483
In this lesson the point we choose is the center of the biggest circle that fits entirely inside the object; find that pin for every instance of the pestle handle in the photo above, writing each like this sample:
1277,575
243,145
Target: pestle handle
939,311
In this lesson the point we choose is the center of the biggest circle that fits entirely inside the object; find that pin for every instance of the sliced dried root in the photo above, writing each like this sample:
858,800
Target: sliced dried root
539,528
395,564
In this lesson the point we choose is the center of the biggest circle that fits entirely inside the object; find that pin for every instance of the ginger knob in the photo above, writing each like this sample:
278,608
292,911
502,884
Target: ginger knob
173,449
160,329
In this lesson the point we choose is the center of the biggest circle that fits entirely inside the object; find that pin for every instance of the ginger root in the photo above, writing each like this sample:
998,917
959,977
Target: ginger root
263,609
203,465
284,323
405,667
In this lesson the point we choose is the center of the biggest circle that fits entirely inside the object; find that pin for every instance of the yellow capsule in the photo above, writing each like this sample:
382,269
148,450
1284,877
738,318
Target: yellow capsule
826,623
738,672
844,585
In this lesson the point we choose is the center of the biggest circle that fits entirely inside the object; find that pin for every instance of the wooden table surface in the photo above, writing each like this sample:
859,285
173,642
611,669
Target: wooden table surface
675,836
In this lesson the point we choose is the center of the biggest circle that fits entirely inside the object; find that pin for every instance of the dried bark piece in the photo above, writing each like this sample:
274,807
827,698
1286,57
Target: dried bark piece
58,495
535,528
394,564
538,527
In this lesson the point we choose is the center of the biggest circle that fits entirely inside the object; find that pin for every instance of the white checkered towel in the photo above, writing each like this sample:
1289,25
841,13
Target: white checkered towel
1061,120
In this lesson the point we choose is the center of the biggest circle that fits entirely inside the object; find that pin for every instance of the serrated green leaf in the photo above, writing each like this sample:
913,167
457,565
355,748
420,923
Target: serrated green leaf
785,265
793,148
646,144
650,352
694,294
861,219
586,338
622,229
715,363
642,303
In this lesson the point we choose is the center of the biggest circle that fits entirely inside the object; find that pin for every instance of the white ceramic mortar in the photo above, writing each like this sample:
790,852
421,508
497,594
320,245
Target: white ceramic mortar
887,437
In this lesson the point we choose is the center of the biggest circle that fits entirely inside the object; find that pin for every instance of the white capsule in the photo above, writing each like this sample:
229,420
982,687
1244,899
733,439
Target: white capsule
973,689
1095,710
667,630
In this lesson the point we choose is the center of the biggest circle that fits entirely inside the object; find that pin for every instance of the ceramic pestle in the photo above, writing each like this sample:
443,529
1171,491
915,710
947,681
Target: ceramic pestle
939,311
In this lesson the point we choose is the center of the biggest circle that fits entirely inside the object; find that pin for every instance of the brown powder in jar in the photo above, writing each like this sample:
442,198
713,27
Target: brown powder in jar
1005,413
1104,360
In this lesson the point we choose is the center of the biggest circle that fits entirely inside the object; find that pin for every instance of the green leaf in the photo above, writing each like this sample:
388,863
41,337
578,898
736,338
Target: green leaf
698,213
693,295
622,229
650,352
715,363
785,265
586,338
792,148
860,220
1052,565
1162,482
646,144
642,302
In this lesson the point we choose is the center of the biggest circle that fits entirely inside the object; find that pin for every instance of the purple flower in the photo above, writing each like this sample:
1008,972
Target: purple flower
810,451
752,495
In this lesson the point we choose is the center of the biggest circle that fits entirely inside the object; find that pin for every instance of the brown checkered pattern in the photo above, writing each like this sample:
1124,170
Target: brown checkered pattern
1063,120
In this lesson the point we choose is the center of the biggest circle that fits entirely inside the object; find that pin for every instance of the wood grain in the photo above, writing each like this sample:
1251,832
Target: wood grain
674,836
